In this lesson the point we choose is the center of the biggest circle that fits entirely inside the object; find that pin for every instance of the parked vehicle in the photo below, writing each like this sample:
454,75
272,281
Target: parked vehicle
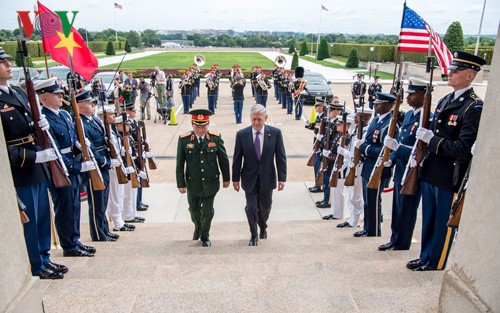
317,87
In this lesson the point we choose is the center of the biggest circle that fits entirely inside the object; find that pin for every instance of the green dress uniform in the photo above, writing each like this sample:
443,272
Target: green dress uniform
200,175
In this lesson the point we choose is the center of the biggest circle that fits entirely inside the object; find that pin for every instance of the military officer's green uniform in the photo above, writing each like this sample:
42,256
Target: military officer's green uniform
201,174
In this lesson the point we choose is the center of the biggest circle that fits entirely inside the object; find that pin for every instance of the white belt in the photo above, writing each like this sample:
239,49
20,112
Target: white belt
66,150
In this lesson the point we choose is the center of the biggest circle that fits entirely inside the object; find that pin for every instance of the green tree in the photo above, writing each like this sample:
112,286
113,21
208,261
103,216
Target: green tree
127,47
303,49
323,51
110,49
454,37
133,38
295,61
292,48
150,38
352,60
19,61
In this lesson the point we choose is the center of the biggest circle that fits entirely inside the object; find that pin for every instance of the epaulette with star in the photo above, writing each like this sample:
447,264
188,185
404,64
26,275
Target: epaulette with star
214,133
186,135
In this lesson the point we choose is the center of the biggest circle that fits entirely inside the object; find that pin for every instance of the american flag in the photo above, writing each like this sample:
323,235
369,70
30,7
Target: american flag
118,6
415,34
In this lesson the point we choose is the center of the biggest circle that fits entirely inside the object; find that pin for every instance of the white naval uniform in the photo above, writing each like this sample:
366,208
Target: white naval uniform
116,190
355,193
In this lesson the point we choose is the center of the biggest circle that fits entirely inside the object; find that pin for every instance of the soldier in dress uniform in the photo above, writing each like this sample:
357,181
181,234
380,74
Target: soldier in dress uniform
451,135
359,89
261,89
289,87
67,199
404,207
29,171
299,86
372,91
275,76
319,107
211,83
201,158
370,148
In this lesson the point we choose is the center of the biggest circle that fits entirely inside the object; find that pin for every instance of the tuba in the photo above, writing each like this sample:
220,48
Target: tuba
280,61
199,60
261,82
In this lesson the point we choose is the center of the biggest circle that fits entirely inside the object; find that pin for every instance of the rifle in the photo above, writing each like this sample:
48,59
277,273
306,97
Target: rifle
151,161
458,204
96,179
317,143
140,160
376,174
339,160
324,165
22,211
128,157
349,180
120,170
410,177
57,167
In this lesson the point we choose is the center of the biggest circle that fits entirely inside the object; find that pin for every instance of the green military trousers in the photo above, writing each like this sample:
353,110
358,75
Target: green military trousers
202,212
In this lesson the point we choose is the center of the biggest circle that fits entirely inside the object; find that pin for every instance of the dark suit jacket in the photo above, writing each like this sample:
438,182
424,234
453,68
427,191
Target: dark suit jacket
249,169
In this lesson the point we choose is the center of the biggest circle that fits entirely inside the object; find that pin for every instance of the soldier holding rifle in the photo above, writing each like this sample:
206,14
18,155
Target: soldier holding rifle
321,118
28,163
451,135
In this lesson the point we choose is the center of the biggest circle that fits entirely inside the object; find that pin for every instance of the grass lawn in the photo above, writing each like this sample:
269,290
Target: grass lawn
383,75
183,60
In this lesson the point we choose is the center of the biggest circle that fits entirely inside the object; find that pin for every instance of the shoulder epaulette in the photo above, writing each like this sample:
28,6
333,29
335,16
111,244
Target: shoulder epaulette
476,104
214,133
475,97
186,135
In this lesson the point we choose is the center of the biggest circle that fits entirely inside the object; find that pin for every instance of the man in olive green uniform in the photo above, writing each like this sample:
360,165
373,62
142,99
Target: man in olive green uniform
203,153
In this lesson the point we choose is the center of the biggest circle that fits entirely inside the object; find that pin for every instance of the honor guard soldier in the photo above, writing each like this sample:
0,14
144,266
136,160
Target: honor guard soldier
319,107
201,158
359,89
299,87
451,135
29,171
97,199
404,207
371,148
372,91
67,199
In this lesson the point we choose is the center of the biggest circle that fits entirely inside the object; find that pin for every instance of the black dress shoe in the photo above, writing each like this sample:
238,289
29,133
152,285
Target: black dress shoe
253,241
58,268
361,233
315,189
323,205
196,235
206,243
318,202
386,247
263,234
50,274
327,217
124,228
144,205
414,264
141,208
425,268
78,253
344,224
140,218
87,248
129,226
107,238
116,236
135,220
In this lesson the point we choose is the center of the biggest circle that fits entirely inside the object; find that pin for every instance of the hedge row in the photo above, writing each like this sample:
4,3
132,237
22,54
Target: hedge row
35,48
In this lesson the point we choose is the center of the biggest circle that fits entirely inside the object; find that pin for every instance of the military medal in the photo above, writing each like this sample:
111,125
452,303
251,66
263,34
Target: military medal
190,146
211,144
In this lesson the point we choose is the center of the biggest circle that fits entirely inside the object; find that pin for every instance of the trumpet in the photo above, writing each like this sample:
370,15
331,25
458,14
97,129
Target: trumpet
199,60
280,61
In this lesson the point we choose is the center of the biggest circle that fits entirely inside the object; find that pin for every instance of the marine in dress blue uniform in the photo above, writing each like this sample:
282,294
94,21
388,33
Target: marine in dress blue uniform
452,133
404,207
66,199
29,173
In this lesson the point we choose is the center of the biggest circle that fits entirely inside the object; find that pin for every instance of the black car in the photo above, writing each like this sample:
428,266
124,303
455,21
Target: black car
317,87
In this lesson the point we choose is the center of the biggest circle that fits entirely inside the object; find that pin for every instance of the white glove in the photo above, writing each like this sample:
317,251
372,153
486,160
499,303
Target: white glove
327,153
79,146
424,134
351,164
143,175
473,148
87,166
113,140
43,123
413,162
129,170
391,143
148,155
319,136
388,163
87,142
342,151
45,156
308,123
146,141
122,151
115,163
358,143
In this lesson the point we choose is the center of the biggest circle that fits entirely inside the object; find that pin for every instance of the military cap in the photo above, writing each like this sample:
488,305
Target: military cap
376,77
463,60
336,106
365,109
85,97
416,85
130,106
349,119
108,108
4,55
299,72
319,102
384,98
200,117
48,85
360,75
119,119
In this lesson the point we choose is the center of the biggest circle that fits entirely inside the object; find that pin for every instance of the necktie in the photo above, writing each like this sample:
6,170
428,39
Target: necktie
256,144
450,100
200,140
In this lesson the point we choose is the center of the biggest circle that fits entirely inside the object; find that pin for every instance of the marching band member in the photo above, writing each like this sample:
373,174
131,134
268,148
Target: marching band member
211,85
299,86
238,97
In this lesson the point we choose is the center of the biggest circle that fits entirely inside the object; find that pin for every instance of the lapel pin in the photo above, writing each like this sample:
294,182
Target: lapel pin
461,99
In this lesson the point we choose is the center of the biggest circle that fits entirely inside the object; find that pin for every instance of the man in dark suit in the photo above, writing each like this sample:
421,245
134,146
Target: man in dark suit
256,149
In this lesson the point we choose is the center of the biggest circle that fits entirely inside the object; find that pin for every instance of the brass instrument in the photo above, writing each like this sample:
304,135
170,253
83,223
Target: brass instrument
280,61
262,83
299,90
199,60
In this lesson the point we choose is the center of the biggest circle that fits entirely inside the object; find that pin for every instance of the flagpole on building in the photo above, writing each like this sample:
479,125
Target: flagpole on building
479,33
116,33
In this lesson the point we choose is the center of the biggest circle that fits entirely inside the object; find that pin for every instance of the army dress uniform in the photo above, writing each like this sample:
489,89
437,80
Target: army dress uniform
315,126
359,90
199,166
372,92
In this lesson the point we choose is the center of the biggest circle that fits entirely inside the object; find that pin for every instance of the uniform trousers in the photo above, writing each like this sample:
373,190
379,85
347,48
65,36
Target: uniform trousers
116,197
67,213
276,91
37,230
129,202
373,207
98,202
262,99
298,109
186,102
337,200
258,208
437,237
283,99
211,103
238,110
407,218
355,200
289,104
201,209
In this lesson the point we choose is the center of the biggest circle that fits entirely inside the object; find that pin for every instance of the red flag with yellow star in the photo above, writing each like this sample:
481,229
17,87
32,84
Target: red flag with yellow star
60,46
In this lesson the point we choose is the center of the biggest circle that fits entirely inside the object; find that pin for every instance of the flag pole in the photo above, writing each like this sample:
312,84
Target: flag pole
114,13
397,52
319,32
479,33
35,7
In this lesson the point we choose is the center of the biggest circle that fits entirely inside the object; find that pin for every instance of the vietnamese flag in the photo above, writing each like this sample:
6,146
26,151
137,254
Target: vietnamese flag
61,42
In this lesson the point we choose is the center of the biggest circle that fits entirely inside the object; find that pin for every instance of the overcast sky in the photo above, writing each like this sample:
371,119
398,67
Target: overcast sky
343,16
